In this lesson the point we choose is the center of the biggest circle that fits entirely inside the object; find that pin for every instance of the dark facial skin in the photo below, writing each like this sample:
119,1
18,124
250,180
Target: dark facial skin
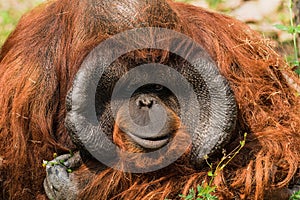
147,107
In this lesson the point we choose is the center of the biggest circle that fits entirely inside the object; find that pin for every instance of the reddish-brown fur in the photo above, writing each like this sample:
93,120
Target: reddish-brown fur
41,57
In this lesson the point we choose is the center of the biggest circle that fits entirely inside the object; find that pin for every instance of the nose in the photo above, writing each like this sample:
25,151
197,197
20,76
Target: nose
145,101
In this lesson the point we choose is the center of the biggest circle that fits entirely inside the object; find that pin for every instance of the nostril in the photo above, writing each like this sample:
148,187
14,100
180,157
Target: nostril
145,101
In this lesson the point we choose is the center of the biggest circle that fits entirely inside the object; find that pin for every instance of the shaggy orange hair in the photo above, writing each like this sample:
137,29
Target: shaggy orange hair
41,57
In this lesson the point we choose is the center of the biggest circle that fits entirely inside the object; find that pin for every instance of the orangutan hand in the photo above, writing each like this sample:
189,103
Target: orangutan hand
60,183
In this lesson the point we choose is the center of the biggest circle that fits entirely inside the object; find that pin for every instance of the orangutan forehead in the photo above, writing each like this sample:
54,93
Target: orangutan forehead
115,16
136,58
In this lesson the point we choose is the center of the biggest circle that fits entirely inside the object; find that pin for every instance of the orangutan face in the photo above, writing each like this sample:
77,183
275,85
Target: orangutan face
136,101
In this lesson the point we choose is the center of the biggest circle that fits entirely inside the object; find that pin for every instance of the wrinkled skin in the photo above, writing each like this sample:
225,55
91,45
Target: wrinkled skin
59,183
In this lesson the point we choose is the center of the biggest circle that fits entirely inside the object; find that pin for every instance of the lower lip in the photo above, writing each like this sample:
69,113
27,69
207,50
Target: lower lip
149,144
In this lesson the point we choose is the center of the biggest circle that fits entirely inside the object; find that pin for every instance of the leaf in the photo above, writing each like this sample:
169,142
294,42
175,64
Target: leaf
212,198
297,71
190,196
297,29
210,173
289,29
296,63
191,191
295,196
199,188
281,27
208,190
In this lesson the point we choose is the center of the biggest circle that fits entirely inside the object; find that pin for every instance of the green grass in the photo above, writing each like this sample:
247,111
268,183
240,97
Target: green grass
10,13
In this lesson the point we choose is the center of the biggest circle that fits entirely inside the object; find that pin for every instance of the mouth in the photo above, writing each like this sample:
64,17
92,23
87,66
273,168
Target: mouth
150,143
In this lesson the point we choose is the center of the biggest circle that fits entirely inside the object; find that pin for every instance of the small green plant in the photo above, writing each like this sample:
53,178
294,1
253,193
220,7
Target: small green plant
205,191
56,162
225,160
295,196
294,30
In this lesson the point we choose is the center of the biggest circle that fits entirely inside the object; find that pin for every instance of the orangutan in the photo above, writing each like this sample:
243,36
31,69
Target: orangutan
145,94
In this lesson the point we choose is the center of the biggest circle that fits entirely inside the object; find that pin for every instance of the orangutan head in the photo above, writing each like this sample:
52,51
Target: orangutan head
142,92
